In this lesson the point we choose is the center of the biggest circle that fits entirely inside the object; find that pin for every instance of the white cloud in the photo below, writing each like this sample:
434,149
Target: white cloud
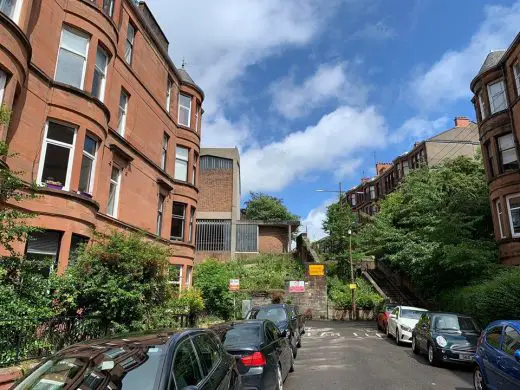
379,31
313,223
329,82
348,168
337,137
221,133
448,79
419,128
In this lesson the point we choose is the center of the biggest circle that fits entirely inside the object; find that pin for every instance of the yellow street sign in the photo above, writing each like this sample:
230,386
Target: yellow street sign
316,269
352,286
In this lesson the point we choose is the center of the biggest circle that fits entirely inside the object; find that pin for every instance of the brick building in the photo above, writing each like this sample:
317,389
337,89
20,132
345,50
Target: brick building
461,140
496,90
103,122
221,232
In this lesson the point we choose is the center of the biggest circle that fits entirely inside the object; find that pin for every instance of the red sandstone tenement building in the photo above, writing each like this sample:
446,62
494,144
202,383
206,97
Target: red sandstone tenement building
104,122
461,140
496,90
221,233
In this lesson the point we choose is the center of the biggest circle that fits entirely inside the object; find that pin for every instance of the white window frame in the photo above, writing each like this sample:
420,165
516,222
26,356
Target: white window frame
130,42
186,108
121,127
174,216
43,153
3,82
372,192
117,182
169,87
490,97
189,274
177,282
353,200
101,96
483,113
85,56
516,72
198,110
160,214
164,150
93,158
17,11
501,152
111,10
180,158
192,224
500,215
508,198
194,169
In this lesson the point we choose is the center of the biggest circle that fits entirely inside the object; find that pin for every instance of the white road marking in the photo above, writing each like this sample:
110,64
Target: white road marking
366,334
378,335
355,334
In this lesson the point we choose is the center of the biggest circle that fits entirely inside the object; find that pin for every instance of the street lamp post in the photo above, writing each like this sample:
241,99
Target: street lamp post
352,279
340,192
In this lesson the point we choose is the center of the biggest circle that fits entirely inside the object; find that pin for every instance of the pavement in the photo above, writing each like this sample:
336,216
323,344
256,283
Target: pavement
356,356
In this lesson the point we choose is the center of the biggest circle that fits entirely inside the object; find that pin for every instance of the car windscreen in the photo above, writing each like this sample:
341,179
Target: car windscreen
454,322
128,368
390,307
411,314
275,314
242,335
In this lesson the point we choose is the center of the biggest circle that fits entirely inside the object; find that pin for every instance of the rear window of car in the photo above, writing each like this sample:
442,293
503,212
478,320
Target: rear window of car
242,335
275,314
136,367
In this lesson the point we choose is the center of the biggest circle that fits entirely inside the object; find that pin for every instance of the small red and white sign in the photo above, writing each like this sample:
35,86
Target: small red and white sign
296,286
234,284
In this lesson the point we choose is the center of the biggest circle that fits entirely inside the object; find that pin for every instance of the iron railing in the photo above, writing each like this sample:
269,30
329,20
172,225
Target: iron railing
24,339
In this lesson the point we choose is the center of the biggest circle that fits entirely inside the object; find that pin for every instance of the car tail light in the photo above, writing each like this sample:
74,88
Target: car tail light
257,359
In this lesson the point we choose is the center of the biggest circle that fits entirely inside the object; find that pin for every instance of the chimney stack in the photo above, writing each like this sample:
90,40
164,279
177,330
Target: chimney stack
461,121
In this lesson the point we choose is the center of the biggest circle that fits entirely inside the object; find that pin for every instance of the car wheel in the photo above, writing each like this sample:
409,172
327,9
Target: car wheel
432,359
279,378
415,348
291,369
397,339
478,379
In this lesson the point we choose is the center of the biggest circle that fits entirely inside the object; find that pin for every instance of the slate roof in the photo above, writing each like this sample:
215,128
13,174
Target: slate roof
492,59
185,77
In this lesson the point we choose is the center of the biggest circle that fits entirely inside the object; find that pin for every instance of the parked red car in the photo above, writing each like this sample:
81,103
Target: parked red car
383,315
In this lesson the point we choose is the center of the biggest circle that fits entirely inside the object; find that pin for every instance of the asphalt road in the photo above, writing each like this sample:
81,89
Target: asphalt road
355,356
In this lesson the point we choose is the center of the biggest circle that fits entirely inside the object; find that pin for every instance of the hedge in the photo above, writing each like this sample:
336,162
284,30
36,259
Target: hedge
494,299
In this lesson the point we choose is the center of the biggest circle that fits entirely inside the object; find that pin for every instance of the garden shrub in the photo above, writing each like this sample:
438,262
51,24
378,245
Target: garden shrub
494,299
341,295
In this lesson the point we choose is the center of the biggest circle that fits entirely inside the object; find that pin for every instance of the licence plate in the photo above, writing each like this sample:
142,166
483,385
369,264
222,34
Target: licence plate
465,357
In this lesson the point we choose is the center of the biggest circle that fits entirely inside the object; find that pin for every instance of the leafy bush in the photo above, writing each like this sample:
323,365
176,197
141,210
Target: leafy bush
212,278
341,295
494,299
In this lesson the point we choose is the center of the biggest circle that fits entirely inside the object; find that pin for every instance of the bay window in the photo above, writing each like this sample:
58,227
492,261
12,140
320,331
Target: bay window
160,213
490,158
513,207
184,110
175,274
169,94
113,191
507,152
72,58
129,43
194,169
198,114
88,164
123,110
57,155
192,225
11,8
482,106
500,218
43,250
108,7
181,163
516,72
100,74
178,220
3,81
497,96
164,152
77,243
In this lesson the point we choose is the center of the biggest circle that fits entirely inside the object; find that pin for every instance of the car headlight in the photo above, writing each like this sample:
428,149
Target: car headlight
406,328
441,341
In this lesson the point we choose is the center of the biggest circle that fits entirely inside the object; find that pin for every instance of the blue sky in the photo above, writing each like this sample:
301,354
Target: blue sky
313,91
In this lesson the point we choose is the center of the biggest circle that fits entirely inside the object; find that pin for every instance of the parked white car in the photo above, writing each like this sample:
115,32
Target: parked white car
401,322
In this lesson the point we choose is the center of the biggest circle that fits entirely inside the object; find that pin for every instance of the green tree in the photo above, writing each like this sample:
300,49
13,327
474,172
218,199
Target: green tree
119,277
337,224
264,207
436,227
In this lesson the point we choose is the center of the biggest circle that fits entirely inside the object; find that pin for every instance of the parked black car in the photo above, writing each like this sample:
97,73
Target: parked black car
281,315
446,337
264,358
192,359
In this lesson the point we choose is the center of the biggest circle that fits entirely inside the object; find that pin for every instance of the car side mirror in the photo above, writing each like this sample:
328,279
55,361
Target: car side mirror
517,355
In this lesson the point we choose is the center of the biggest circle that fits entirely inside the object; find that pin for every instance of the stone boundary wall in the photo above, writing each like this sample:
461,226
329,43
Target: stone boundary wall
8,376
